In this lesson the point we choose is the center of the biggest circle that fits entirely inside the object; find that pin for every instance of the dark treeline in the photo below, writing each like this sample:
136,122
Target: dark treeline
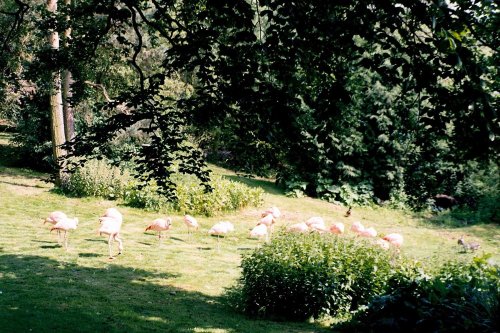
352,101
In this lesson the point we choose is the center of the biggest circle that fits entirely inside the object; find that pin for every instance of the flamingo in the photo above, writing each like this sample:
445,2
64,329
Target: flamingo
268,221
368,232
112,213
259,231
111,226
53,218
316,223
318,227
274,211
394,239
298,227
315,220
65,224
337,228
221,229
357,227
160,225
190,222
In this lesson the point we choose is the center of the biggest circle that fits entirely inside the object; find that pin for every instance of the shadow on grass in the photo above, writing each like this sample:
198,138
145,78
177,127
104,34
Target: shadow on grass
266,185
20,184
55,246
89,255
43,295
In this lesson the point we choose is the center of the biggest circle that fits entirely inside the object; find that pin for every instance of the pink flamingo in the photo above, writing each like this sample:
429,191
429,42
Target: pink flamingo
268,221
111,226
316,223
318,227
357,227
315,220
394,239
65,224
274,211
337,228
113,213
368,232
190,222
259,231
221,229
53,218
298,227
160,225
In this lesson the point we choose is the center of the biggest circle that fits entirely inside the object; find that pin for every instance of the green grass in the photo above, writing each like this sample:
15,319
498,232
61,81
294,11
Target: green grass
175,287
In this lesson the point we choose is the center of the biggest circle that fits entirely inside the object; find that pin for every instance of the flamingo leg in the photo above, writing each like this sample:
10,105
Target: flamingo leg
120,244
159,238
66,240
218,245
110,240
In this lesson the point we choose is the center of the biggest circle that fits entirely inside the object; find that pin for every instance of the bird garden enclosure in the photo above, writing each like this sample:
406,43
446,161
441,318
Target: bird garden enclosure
225,147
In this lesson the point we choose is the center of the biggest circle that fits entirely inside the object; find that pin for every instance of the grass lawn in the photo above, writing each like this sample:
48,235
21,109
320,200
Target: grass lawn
175,287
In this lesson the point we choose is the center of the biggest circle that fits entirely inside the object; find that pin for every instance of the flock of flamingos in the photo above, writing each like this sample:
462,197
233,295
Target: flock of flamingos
111,222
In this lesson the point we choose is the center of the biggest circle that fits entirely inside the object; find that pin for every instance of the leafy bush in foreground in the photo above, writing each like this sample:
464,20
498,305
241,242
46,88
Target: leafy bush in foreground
458,298
297,276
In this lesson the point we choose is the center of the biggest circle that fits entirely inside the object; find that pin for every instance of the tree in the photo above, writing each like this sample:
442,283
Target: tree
342,98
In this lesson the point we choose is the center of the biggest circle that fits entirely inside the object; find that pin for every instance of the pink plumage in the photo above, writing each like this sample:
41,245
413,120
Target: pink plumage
337,228
160,225
357,227
113,213
259,231
267,220
111,226
65,224
395,239
315,220
54,217
318,227
190,222
274,211
298,227
221,228
368,232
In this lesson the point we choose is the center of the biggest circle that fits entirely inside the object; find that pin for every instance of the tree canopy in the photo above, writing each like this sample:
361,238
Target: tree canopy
345,100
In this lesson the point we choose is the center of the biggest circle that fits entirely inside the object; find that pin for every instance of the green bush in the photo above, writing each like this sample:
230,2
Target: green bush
298,276
98,178
226,196
457,298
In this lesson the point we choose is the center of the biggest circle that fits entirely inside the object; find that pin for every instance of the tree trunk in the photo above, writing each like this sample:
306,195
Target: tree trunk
69,120
56,110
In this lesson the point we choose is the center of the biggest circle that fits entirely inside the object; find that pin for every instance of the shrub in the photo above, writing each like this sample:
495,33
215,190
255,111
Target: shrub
297,276
458,298
98,179
226,196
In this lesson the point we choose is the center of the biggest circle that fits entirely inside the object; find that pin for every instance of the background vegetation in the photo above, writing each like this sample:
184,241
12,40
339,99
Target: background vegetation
376,105
359,102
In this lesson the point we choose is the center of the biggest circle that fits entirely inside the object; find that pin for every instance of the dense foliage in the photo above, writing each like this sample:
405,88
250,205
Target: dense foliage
99,179
366,289
353,101
297,276
458,298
